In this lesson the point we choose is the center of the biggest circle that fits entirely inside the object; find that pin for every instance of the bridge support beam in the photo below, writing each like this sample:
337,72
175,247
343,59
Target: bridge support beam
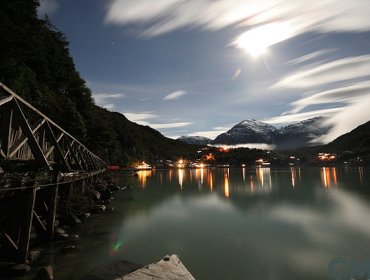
52,205
25,233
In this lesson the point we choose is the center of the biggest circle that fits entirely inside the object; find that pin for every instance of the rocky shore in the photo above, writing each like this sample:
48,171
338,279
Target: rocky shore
86,200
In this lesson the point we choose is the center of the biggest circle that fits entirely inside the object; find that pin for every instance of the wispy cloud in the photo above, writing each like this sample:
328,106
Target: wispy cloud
109,106
289,118
136,117
174,95
310,56
169,15
143,119
104,99
212,134
352,102
353,115
168,125
47,7
236,74
335,71
164,125
344,95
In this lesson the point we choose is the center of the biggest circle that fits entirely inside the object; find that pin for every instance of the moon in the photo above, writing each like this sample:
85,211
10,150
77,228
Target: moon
257,41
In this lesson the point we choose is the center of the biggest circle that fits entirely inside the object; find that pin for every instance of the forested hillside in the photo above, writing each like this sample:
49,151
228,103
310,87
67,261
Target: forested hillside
36,64
358,140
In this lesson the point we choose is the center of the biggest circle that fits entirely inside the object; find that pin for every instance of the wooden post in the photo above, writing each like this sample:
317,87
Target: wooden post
26,225
52,209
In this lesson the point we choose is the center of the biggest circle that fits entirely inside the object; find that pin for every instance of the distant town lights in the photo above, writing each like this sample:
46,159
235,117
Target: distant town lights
326,156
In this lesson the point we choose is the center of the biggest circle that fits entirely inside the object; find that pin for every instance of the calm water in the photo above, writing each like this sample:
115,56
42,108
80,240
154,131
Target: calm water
231,223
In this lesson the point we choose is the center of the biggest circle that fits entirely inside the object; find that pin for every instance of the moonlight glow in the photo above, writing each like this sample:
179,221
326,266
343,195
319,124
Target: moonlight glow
257,40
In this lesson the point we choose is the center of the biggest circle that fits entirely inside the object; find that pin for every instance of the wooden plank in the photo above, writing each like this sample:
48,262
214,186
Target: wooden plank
32,142
82,157
25,233
24,139
6,100
60,137
58,151
74,154
38,220
91,163
52,208
3,155
9,238
170,267
7,130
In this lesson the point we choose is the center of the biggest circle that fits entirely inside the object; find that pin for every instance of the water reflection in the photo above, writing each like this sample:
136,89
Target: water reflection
361,174
295,174
210,180
181,176
329,177
142,176
226,185
264,177
170,173
265,230
250,181
251,184
308,226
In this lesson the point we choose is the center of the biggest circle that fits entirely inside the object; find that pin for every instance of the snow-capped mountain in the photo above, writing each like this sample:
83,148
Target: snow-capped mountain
195,140
292,136
301,134
248,131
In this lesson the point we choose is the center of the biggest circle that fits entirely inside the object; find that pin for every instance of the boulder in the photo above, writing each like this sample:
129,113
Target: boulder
45,273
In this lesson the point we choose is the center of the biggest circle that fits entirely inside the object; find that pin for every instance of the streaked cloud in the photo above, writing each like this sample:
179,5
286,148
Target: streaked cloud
174,95
343,121
335,71
310,56
283,119
143,119
237,73
168,125
346,94
104,99
136,117
212,134
301,16
352,101
109,106
47,7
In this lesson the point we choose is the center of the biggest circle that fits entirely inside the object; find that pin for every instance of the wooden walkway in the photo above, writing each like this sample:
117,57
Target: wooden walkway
168,268
32,142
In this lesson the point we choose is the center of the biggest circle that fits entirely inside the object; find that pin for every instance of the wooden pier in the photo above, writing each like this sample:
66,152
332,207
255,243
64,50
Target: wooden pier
170,267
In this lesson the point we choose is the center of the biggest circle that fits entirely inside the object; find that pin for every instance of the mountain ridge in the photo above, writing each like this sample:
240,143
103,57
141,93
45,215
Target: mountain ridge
195,140
251,131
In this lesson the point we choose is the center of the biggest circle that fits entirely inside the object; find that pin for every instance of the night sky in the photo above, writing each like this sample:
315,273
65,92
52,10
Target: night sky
198,67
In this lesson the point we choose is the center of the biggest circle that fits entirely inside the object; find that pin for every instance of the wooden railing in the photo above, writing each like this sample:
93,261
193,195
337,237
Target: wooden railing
43,141
30,139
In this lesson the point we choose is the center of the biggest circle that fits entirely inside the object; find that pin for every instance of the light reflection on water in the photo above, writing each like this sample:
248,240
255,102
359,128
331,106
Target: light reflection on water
278,224
235,223
142,176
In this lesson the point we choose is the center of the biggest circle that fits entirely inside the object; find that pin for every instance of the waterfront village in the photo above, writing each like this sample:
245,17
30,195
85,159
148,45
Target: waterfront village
224,157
